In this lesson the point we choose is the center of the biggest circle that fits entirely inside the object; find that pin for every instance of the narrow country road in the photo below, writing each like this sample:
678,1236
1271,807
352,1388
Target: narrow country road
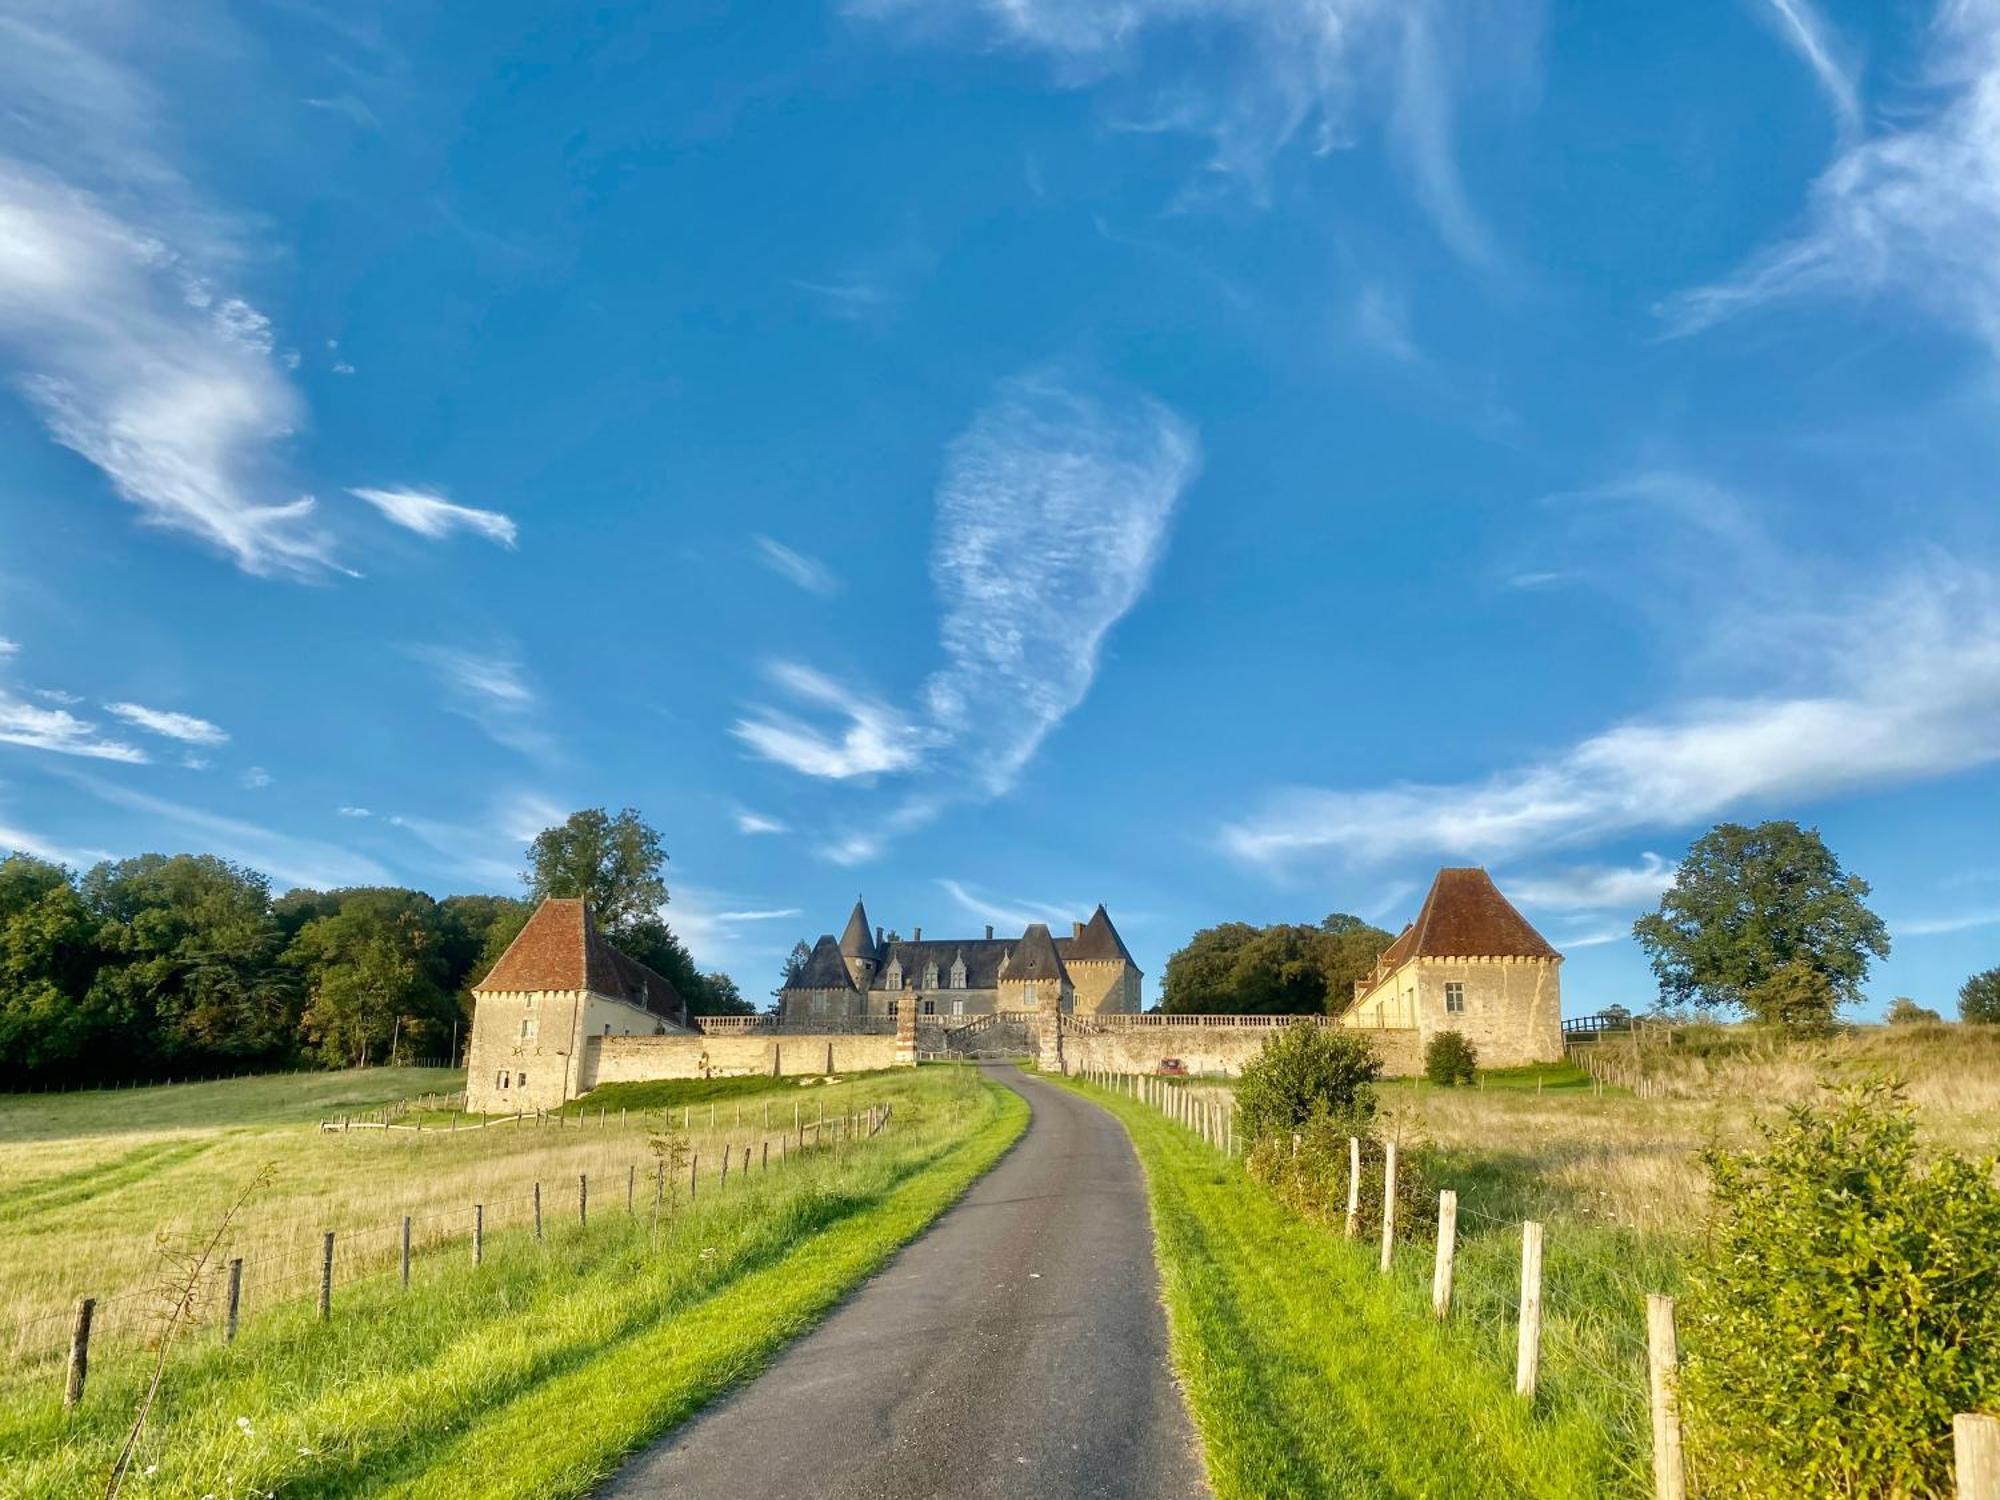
1017,1349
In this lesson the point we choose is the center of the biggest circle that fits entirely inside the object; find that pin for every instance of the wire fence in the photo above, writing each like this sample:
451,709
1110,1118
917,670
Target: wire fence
1548,1295
247,1275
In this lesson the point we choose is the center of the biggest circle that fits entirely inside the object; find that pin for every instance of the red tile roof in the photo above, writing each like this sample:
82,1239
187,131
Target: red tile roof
1465,916
561,949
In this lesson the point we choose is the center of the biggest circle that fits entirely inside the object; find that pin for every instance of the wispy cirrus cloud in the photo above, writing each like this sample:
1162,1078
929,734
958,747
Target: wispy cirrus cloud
168,724
870,738
115,324
61,731
297,861
754,823
436,518
494,692
1593,887
1053,512
1914,210
809,573
1905,687
1808,33
1252,78
1009,915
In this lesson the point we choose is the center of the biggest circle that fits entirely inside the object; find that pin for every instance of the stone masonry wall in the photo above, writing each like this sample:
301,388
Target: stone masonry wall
1210,1050
642,1059
1513,1007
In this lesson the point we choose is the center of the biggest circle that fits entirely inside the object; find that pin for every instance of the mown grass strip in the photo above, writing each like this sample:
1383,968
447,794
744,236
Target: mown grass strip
537,1374
1308,1374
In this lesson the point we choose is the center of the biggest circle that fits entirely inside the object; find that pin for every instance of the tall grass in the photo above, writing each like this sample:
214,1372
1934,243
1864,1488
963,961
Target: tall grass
535,1373
90,1183
1308,1374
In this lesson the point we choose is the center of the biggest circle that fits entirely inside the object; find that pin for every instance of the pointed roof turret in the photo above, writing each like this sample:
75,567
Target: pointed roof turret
825,970
560,948
858,941
1099,941
1035,956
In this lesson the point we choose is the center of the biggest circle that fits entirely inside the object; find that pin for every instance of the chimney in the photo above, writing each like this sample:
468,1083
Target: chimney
878,934
1075,930
916,934
989,932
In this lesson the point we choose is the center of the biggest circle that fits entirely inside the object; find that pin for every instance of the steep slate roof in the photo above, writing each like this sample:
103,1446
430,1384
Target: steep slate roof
983,959
826,969
1035,956
1465,916
1099,941
561,949
855,942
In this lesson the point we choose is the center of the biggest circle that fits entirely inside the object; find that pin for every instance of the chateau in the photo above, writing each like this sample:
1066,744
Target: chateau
865,976
1470,963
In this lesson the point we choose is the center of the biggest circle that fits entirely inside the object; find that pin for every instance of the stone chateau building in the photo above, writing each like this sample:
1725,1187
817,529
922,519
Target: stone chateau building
558,985
864,976
1470,963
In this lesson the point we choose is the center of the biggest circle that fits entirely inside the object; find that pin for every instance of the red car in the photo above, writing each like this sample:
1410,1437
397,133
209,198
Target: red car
1173,1067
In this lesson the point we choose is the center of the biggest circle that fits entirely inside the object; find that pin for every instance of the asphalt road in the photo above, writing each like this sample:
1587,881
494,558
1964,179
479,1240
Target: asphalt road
1017,1349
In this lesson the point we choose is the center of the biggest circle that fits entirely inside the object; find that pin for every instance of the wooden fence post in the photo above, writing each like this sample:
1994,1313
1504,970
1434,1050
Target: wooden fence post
406,1251
326,1277
767,1155
694,1173
1528,1357
1388,1204
1663,1357
478,1233
583,1199
1447,1251
538,1211
1975,1444
1353,1186
79,1352
235,1299
631,1182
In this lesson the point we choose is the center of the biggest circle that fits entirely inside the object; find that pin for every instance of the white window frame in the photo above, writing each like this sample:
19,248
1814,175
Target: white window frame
958,1007
527,1028
1454,997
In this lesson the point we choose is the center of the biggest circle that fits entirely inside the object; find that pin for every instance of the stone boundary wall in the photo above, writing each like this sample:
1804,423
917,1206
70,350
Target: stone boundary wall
1211,1050
644,1059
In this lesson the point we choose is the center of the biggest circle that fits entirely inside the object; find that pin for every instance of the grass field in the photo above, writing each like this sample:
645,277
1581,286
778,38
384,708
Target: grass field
1308,1374
465,1384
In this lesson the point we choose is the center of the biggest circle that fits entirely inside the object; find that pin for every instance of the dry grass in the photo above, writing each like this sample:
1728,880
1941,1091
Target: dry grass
1567,1152
93,1185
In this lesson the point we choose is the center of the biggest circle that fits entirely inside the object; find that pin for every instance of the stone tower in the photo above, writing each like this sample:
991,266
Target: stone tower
858,950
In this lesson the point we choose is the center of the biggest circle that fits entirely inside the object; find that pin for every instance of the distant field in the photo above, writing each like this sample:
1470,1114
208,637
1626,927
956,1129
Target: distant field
468,1383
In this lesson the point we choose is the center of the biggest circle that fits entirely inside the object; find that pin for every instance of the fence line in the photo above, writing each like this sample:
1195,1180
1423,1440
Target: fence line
1653,1358
326,1261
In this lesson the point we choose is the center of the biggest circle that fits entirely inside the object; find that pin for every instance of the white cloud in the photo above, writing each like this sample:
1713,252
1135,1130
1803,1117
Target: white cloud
8,648
1904,688
132,359
1593,887
354,812
493,692
752,823
491,848
874,739
1937,926
192,762
435,517
1012,916
1253,76
60,730
1052,514
255,779
58,696
809,573
286,859
1807,33
1594,939
168,724
1914,210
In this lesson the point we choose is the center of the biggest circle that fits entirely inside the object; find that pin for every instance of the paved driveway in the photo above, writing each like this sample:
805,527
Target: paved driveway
1017,1349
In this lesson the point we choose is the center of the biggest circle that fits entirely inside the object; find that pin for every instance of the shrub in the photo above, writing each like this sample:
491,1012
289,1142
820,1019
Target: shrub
1307,1072
1312,1181
1845,1303
1797,998
1979,998
1449,1059
1903,1011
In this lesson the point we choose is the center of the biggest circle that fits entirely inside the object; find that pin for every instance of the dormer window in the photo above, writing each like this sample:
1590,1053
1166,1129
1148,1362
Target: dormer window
893,978
958,973
930,976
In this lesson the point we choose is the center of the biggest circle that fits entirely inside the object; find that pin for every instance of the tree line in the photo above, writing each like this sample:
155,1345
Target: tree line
168,964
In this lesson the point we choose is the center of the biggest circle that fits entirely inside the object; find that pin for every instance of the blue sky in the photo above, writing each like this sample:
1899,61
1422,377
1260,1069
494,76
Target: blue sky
1223,458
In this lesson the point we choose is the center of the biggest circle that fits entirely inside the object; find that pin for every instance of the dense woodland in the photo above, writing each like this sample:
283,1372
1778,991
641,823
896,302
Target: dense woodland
166,965
1287,968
